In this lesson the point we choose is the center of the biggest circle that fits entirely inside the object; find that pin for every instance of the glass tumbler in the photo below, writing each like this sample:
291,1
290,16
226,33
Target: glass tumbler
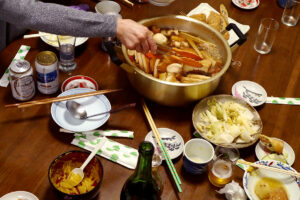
291,13
220,170
66,53
266,35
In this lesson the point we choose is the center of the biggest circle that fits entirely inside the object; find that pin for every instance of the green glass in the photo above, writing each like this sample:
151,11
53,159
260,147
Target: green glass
141,185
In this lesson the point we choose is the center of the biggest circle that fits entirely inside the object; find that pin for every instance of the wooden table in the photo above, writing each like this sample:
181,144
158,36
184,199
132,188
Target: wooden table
30,139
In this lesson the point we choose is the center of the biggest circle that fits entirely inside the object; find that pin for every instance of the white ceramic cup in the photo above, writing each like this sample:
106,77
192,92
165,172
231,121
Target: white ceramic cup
196,155
291,13
266,35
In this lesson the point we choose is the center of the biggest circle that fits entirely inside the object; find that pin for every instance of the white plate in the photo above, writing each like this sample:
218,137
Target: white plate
261,151
51,39
19,195
290,183
249,91
246,4
93,105
172,141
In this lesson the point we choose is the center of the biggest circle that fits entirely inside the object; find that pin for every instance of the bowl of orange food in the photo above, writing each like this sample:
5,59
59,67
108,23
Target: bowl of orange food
60,169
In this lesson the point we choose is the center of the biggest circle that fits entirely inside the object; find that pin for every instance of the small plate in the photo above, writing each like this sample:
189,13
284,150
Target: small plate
261,151
79,81
51,39
172,141
249,91
19,195
93,105
246,4
290,183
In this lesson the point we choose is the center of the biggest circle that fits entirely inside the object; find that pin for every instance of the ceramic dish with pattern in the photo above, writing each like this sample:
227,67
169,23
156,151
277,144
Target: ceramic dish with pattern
246,4
288,154
51,39
92,105
288,183
79,81
172,141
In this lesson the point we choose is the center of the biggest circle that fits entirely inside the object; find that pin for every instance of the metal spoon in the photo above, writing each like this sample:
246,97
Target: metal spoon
77,175
79,112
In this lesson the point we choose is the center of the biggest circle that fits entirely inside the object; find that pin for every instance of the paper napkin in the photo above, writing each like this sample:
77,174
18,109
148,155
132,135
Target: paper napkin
22,52
114,151
205,8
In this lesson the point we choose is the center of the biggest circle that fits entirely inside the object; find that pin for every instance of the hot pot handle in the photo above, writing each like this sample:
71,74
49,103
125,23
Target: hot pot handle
242,37
109,45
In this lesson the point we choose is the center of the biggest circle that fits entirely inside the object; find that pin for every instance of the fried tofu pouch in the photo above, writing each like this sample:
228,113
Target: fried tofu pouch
272,144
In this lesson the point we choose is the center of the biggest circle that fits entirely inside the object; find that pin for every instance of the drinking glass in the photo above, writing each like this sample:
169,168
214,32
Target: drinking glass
156,162
66,53
266,35
291,13
221,168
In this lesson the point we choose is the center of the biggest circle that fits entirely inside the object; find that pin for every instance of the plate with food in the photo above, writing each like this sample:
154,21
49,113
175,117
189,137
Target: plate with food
227,121
172,141
92,105
51,39
218,20
260,184
270,148
79,81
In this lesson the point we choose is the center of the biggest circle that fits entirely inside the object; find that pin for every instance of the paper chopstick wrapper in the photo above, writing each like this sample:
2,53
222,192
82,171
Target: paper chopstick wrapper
114,151
283,100
205,8
22,52
97,133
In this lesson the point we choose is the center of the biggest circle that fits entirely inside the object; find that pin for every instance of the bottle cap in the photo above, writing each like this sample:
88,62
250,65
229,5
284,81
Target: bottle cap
250,92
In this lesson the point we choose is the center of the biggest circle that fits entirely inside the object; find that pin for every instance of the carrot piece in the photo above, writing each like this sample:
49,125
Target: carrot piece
150,55
187,53
187,61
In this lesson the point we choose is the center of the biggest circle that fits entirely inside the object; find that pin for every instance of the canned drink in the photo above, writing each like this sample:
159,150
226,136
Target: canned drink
21,80
47,73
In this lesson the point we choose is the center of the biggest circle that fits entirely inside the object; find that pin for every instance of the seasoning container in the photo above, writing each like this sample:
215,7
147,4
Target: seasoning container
47,73
21,80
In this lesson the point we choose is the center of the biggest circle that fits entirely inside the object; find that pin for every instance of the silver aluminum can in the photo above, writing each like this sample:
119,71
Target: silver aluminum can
21,80
46,72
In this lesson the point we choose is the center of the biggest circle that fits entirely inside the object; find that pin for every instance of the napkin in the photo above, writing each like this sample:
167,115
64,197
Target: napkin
233,191
205,8
111,150
22,52
111,133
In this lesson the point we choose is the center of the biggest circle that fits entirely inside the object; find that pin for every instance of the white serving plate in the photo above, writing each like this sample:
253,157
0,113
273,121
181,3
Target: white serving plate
290,183
261,151
172,141
93,105
51,39
19,195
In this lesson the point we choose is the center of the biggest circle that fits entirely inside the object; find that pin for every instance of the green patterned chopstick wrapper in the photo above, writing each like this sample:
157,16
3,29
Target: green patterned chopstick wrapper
111,133
22,52
283,100
111,150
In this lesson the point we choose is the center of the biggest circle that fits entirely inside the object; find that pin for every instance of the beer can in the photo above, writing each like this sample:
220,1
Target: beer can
21,80
47,73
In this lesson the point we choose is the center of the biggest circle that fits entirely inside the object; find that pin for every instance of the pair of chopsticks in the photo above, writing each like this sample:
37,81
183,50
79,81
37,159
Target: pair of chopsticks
63,98
162,146
35,35
291,173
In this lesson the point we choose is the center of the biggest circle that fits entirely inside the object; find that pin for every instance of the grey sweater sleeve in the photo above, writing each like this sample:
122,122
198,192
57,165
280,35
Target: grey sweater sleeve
58,19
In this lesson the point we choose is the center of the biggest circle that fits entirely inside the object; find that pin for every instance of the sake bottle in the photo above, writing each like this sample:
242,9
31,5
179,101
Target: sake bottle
141,185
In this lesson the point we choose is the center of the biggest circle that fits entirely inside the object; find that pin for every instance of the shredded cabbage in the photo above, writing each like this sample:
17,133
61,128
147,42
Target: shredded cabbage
226,122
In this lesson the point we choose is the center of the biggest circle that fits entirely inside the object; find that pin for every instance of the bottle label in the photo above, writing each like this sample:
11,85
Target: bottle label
23,88
47,78
47,83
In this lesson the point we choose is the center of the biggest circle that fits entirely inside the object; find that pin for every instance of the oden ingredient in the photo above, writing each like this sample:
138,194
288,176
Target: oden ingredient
270,189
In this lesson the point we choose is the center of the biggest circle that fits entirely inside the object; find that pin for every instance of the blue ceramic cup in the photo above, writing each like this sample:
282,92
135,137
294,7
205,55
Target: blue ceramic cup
197,154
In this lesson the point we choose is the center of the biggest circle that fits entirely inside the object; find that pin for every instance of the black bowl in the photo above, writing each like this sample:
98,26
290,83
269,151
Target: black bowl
76,156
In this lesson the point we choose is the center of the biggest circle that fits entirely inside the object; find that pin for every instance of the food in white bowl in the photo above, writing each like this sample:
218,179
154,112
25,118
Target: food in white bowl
79,81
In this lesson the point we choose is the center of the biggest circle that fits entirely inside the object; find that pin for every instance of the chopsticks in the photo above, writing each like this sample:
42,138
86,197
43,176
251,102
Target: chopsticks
63,98
162,146
35,35
269,168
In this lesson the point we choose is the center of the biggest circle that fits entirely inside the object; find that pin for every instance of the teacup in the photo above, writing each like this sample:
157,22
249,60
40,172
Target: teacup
196,155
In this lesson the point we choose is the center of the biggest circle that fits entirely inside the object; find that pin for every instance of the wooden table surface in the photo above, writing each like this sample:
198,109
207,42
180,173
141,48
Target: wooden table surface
30,139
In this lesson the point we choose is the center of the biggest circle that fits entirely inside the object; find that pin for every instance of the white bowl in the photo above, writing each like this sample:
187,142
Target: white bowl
161,2
108,7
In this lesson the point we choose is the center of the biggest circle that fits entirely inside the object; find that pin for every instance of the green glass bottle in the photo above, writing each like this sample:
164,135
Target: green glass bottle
141,185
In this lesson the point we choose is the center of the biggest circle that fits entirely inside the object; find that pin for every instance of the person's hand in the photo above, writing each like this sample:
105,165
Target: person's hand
135,36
